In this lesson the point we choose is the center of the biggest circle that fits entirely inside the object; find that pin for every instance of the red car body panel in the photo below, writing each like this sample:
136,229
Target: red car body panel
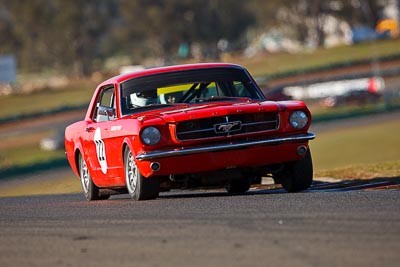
102,143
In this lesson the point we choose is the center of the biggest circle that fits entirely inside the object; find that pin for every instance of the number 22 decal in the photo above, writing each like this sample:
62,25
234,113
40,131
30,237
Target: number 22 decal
100,150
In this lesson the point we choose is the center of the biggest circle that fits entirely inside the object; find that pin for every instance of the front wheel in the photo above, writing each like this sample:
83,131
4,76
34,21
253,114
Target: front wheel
298,175
139,187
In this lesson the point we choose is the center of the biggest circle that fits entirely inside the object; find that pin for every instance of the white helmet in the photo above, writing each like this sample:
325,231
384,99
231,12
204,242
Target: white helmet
144,98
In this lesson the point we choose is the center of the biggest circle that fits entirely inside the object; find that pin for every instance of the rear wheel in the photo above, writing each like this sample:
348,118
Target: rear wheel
90,190
139,187
238,186
298,175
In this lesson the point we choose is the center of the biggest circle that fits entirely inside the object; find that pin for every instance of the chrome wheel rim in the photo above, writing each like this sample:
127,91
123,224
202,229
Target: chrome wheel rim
84,176
131,174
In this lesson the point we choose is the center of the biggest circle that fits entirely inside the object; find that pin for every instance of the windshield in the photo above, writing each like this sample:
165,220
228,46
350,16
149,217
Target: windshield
190,86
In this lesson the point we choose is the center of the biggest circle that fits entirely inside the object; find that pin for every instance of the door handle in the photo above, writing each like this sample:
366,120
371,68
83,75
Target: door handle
89,129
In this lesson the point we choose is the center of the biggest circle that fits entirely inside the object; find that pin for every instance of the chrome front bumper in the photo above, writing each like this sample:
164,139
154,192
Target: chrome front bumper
223,147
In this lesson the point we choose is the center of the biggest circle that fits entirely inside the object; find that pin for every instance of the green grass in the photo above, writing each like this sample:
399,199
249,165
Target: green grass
24,150
322,113
65,184
28,154
271,64
77,94
364,171
370,144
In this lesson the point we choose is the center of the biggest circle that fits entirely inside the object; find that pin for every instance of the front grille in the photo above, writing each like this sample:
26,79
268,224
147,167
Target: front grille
227,125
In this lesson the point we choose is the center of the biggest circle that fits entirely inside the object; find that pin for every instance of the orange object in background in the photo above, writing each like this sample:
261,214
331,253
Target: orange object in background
388,25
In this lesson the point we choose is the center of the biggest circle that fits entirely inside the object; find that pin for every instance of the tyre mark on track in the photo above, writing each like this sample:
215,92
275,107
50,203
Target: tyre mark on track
353,186
342,186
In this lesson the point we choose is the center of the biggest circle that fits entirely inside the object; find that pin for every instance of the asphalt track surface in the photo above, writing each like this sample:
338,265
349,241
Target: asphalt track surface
329,225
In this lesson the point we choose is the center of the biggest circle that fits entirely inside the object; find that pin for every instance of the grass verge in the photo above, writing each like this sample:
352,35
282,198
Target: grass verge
367,144
323,114
64,184
26,154
364,171
76,94
272,64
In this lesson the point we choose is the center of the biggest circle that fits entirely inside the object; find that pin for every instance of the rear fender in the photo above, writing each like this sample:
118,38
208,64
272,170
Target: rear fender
78,151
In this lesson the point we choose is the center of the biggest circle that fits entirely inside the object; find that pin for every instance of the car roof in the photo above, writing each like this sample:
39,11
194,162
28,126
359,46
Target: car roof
127,76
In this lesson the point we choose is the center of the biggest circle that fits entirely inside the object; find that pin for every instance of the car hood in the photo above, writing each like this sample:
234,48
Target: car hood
174,114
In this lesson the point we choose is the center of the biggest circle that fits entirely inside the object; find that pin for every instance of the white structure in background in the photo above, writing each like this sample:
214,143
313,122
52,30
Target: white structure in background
282,39
337,32
275,41
391,10
131,68
334,88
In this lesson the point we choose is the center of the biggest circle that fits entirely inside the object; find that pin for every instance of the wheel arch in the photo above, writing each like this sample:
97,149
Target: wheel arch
77,153
126,143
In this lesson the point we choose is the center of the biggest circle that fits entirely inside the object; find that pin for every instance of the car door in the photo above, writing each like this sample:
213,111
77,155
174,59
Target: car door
97,134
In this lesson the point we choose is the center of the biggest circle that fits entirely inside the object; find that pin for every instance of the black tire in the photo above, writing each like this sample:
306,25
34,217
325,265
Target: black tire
139,187
238,186
298,175
90,190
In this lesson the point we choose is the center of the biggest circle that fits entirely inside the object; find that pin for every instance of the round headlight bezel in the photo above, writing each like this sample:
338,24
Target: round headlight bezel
298,119
150,136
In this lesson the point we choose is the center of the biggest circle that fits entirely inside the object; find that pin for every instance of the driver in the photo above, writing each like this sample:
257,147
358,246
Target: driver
144,98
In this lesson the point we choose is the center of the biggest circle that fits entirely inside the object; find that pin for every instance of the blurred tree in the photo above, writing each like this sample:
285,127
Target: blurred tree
308,17
359,12
55,34
159,27
76,35
220,19
78,30
28,24
8,39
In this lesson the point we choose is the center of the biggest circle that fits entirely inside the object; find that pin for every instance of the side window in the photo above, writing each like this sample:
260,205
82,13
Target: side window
107,98
105,108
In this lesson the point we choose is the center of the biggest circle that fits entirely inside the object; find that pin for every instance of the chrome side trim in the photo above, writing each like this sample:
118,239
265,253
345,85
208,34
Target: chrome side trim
223,147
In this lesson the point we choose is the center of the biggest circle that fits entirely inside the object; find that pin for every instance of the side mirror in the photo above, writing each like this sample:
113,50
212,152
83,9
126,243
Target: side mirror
105,113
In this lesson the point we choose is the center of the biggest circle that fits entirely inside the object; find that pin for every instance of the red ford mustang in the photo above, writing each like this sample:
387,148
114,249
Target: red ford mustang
188,126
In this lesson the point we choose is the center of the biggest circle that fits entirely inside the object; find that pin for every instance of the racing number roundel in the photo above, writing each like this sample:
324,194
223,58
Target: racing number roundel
100,150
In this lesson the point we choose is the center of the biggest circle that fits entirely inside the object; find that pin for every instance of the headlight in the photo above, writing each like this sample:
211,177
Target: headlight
298,119
150,136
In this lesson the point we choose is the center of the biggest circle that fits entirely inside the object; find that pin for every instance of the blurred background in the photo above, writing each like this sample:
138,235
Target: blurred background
342,57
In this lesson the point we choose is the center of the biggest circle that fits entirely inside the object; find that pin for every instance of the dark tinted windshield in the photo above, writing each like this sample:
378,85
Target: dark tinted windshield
190,86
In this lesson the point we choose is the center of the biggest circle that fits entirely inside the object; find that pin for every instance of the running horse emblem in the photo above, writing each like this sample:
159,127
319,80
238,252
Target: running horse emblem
227,127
